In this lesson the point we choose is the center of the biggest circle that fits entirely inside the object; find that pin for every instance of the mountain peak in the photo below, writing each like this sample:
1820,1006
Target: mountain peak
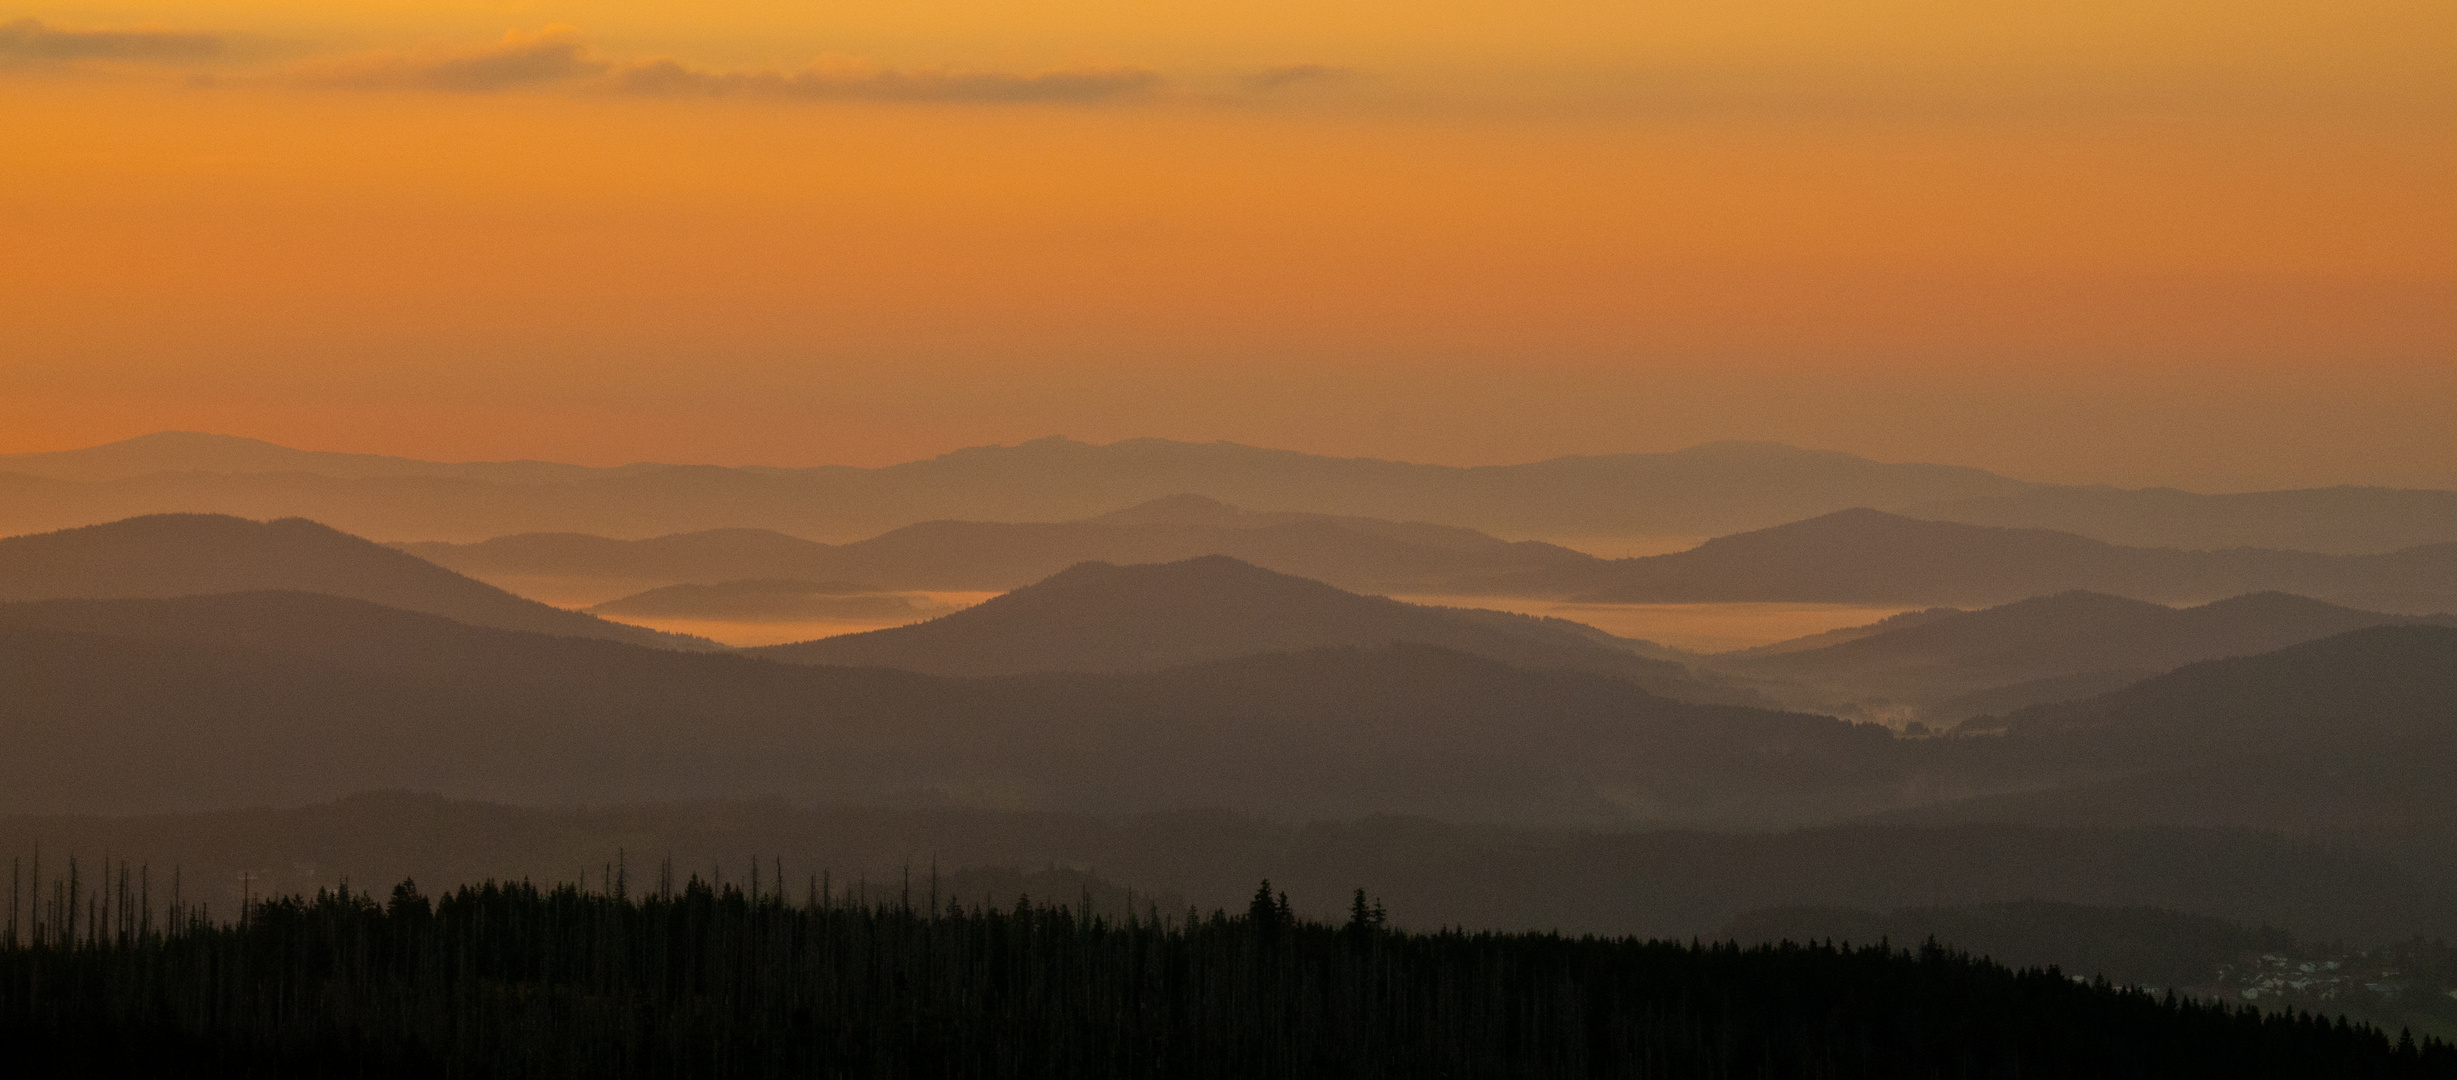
1099,616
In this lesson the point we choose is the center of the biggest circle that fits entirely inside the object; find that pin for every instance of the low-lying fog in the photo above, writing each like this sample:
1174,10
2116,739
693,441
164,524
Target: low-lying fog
1704,628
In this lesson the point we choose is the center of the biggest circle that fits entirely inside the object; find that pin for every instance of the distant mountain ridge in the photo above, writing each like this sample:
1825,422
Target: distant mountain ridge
1352,552
1719,487
1097,617
1712,489
171,555
1851,556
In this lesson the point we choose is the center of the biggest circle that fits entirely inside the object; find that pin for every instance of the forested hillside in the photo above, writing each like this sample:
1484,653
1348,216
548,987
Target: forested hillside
784,977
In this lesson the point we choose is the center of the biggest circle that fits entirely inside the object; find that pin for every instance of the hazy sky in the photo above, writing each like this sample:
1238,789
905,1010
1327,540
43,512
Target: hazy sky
2152,241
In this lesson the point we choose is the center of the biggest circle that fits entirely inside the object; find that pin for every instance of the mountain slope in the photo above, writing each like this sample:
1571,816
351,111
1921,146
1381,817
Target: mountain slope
1849,633
1866,556
1100,617
190,554
278,698
2068,645
2375,686
2352,738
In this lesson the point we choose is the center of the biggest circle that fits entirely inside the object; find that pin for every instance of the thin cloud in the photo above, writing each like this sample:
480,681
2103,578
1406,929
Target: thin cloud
558,58
854,80
33,39
555,54
1288,75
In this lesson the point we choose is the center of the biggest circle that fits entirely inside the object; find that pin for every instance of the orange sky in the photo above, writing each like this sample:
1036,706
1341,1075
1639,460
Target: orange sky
2152,242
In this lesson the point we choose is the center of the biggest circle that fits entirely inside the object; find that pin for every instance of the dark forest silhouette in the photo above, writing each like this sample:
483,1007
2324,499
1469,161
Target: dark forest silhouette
767,977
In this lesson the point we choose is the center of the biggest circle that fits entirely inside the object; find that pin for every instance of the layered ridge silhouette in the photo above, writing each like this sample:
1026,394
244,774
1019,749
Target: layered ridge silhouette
1354,552
1855,556
287,697
284,697
170,555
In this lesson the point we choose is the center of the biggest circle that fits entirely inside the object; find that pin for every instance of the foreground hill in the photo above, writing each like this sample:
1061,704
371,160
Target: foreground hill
1865,556
191,554
286,697
1942,670
1352,552
1099,617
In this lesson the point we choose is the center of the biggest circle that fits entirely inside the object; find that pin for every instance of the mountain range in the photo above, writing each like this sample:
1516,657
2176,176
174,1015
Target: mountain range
283,697
280,697
1352,552
1707,490
1210,686
1857,556
188,662
169,555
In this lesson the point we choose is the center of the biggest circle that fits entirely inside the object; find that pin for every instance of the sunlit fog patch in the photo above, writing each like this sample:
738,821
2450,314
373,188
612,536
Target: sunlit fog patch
750,633
1705,628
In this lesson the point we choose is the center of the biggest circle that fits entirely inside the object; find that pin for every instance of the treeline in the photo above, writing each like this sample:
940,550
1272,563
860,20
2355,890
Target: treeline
766,978
2140,946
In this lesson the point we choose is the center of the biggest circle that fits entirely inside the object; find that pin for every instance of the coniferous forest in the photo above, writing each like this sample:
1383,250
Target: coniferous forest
769,978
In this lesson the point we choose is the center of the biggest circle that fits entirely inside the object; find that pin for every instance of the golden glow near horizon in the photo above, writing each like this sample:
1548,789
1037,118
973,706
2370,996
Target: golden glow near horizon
2180,242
